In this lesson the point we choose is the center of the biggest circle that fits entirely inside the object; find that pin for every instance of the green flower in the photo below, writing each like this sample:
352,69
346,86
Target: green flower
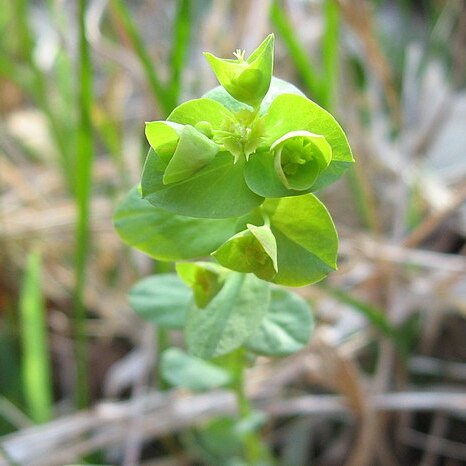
246,80
299,158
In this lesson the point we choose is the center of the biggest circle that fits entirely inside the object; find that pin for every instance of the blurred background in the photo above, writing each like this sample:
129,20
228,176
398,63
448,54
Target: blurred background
383,379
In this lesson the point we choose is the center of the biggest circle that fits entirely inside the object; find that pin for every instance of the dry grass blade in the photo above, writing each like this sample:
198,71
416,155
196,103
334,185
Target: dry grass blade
161,414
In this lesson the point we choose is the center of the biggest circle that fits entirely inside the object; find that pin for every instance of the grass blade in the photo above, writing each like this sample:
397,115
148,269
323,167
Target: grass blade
83,185
330,52
181,40
37,385
164,99
37,86
306,70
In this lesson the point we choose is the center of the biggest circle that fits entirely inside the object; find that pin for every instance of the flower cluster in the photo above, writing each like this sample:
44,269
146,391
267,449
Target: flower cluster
250,149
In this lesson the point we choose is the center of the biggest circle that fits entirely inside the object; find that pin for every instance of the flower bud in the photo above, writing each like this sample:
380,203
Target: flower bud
182,150
300,157
246,80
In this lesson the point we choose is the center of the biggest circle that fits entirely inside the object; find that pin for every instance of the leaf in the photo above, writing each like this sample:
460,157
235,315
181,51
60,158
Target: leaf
262,178
286,327
265,171
182,370
205,278
290,112
219,442
300,156
277,87
216,191
251,251
228,320
201,110
182,149
194,151
162,299
166,236
163,138
246,80
306,238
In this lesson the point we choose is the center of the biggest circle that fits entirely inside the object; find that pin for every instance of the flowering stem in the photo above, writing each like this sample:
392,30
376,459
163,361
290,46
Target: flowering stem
256,452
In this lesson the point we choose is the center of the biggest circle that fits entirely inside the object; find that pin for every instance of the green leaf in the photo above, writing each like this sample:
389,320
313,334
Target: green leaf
166,236
219,442
285,329
162,299
246,80
262,178
216,191
306,238
182,370
163,137
182,150
290,112
228,320
194,151
277,87
205,278
196,111
300,156
251,251
291,167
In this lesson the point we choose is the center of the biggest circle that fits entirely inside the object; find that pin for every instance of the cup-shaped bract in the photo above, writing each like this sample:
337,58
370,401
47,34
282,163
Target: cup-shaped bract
182,149
253,250
246,80
300,157
205,279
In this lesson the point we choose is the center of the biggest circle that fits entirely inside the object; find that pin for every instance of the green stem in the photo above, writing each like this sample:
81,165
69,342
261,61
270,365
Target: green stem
256,451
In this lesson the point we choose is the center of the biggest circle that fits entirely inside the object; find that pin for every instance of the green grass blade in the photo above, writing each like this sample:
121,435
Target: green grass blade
83,186
298,55
37,86
37,384
330,52
181,40
163,97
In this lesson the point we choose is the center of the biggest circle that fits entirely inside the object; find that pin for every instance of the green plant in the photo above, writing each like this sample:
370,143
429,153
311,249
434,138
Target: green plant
231,175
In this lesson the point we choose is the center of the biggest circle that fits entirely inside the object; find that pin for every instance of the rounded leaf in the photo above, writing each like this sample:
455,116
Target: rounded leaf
228,320
286,327
194,151
306,238
182,370
166,236
277,87
262,177
204,110
163,137
162,299
182,150
216,191
300,156
290,112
